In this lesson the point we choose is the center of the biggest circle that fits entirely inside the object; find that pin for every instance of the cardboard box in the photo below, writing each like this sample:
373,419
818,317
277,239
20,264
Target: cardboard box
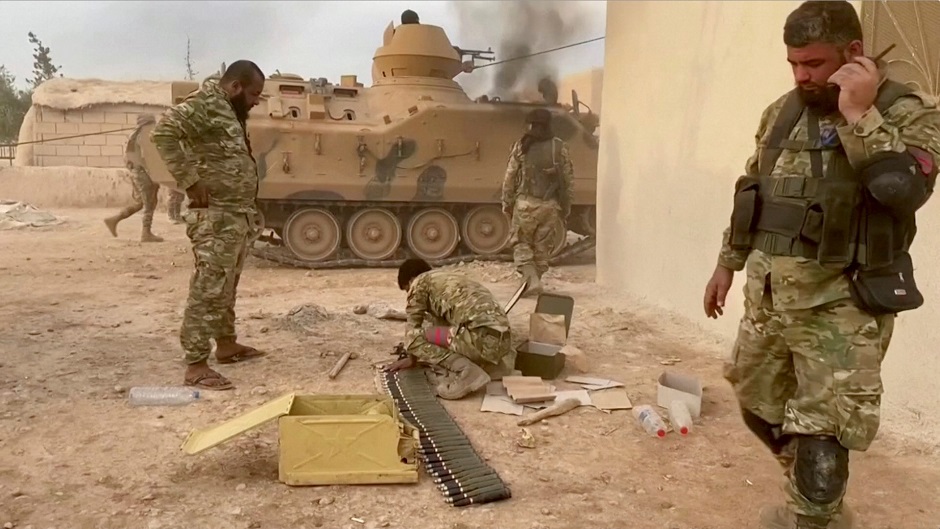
541,359
329,439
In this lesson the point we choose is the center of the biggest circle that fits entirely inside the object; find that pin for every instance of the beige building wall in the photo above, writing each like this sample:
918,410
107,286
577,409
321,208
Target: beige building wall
89,137
86,122
674,139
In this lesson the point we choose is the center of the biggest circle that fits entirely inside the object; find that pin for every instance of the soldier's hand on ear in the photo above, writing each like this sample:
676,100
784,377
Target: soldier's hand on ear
198,195
858,81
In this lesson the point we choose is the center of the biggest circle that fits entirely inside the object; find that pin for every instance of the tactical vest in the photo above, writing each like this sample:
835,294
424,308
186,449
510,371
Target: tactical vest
824,216
541,170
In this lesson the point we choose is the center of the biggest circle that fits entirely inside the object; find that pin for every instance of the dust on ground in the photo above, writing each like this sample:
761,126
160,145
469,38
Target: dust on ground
86,316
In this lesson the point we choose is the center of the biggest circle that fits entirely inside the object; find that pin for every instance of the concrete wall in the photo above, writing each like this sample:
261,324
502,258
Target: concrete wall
108,125
81,187
684,86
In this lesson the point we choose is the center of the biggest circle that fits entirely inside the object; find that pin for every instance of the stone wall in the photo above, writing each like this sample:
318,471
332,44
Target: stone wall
90,137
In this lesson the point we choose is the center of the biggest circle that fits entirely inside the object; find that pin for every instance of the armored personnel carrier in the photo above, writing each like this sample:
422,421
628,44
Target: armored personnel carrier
410,166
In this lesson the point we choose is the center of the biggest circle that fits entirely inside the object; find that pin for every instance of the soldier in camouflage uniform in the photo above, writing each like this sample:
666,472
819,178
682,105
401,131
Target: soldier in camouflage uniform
537,191
474,343
204,142
839,169
144,189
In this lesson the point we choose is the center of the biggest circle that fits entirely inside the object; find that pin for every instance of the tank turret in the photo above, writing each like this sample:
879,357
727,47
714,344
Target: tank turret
410,166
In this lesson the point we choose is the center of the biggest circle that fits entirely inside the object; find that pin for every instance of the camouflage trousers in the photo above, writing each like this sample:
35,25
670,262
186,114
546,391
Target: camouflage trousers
175,204
145,192
488,347
813,371
532,233
220,240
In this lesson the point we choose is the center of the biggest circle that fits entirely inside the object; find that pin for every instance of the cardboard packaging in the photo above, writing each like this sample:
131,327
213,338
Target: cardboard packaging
329,439
537,358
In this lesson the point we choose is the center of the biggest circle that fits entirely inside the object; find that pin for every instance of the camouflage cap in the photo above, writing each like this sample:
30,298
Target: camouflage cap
539,115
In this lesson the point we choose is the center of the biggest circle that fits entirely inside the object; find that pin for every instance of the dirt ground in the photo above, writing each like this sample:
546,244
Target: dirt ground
86,316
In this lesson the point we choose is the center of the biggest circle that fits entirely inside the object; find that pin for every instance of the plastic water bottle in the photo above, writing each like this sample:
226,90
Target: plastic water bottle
162,396
680,417
650,420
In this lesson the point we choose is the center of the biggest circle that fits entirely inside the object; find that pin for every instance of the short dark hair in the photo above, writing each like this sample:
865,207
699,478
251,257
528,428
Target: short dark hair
411,269
822,21
245,72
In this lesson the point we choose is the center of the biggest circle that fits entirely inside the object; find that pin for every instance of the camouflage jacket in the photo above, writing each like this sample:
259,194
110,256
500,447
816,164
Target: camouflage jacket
515,177
799,283
446,296
201,139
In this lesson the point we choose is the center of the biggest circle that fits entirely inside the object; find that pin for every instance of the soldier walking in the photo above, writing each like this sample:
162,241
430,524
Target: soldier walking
223,220
537,191
456,325
823,220
145,191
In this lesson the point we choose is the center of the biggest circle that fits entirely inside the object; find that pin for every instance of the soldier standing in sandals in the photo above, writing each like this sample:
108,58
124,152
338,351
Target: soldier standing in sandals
204,143
823,220
144,189
537,191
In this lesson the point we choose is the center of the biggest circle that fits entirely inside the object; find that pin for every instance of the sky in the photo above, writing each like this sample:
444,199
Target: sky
130,40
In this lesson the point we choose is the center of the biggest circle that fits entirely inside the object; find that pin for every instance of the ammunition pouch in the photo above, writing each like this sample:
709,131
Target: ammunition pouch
744,214
887,290
839,201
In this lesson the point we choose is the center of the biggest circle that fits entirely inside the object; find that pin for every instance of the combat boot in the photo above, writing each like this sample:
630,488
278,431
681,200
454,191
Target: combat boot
530,274
112,222
465,377
780,517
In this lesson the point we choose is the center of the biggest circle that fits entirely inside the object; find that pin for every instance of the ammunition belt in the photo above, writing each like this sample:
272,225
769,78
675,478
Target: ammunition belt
461,474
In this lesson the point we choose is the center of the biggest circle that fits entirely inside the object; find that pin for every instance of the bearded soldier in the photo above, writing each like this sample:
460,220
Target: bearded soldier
823,221
204,143
537,192
456,325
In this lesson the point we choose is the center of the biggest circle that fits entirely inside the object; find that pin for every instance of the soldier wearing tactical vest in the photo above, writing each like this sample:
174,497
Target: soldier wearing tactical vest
823,221
537,191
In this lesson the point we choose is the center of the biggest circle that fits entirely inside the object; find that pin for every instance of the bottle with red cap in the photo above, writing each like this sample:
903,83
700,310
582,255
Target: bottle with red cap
680,417
650,420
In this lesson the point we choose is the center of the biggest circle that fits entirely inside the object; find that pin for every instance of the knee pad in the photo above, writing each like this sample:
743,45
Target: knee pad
821,468
771,435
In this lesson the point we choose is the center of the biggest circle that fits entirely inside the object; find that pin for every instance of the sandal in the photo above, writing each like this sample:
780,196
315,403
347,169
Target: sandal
220,383
246,353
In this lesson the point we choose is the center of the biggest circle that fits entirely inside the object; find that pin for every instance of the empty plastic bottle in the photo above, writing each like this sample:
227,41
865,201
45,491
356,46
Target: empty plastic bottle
650,420
680,417
162,396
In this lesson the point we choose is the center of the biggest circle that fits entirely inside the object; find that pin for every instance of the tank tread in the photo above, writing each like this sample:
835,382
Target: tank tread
282,255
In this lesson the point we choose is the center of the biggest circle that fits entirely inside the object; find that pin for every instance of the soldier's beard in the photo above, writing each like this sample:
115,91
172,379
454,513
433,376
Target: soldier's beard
240,104
823,99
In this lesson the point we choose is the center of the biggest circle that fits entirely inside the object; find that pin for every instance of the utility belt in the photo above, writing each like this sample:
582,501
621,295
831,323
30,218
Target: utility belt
835,223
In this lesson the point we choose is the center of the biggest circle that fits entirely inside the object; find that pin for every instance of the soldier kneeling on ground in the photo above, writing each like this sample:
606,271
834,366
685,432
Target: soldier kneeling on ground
456,326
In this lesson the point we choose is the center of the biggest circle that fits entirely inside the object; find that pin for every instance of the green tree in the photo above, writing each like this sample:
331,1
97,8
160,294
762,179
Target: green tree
14,104
43,67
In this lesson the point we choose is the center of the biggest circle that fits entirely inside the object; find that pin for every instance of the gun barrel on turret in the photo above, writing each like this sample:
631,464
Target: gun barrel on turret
487,55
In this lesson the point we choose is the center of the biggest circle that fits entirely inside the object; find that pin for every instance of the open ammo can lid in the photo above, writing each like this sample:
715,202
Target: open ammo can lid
199,440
